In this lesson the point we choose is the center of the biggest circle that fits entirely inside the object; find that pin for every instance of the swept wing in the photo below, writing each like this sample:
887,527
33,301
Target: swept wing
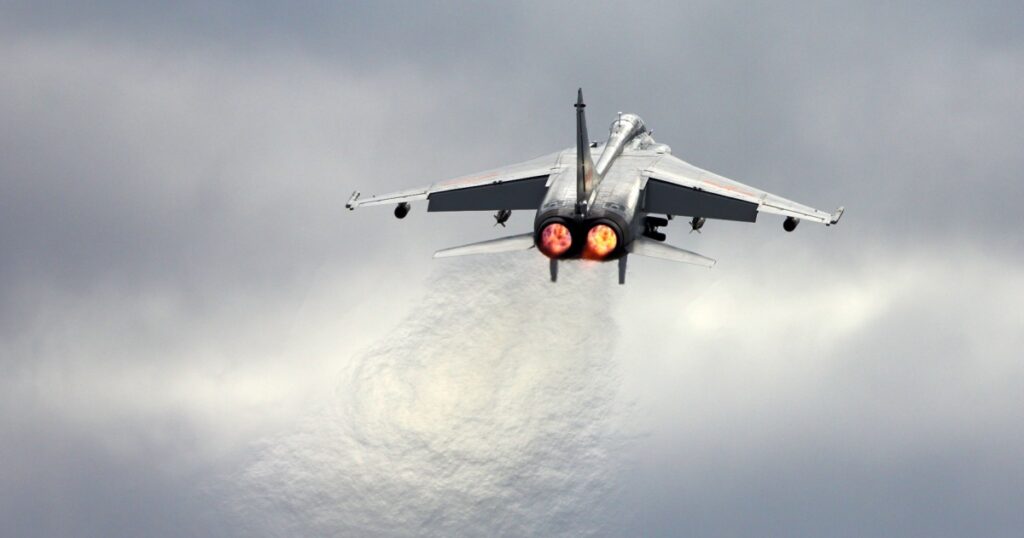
676,187
517,186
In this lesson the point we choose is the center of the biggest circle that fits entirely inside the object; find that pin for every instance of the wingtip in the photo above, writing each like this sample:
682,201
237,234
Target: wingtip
838,214
445,253
351,204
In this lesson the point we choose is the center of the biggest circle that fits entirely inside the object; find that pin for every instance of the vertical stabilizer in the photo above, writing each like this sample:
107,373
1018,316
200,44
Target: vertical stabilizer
584,162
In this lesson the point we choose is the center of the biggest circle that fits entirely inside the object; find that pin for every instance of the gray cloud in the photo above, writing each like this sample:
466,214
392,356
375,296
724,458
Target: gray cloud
178,278
869,403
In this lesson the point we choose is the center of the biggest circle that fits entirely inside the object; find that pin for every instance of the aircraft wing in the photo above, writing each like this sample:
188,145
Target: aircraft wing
676,187
517,186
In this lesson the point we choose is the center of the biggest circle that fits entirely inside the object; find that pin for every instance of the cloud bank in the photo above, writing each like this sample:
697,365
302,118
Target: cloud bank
198,340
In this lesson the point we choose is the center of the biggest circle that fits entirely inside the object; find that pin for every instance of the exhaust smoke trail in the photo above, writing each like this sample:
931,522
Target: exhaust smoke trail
488,411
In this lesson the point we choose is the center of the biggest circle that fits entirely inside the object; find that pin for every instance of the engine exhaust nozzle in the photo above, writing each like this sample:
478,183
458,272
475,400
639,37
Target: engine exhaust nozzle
601,241
555,240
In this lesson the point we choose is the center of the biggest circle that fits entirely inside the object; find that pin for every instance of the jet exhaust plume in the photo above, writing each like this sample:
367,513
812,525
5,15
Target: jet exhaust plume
490,410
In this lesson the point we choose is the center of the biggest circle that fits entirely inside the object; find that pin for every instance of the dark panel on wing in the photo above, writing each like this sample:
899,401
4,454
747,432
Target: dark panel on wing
672,199
517,194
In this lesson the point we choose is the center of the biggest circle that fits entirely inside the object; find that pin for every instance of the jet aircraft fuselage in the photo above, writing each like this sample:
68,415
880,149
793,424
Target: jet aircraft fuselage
609,217
604,209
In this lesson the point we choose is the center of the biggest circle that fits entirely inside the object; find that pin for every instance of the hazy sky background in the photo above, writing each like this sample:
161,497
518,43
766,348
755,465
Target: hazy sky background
198,339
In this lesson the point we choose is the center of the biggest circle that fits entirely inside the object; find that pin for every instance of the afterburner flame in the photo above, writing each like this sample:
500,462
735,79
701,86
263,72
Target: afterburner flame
555,239
601,241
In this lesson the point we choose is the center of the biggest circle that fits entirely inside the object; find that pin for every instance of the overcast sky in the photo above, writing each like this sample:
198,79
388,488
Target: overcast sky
198,339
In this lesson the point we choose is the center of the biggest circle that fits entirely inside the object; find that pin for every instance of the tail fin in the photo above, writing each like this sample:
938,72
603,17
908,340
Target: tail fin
584,162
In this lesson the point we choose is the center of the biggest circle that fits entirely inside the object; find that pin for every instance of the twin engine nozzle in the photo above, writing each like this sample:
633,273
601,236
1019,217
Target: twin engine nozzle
556,240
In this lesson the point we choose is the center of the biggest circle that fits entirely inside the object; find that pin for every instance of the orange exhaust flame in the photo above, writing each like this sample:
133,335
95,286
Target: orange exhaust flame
601,241
555,239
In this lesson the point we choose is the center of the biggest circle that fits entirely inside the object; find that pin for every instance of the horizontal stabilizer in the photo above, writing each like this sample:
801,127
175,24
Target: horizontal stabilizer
493,246
642,246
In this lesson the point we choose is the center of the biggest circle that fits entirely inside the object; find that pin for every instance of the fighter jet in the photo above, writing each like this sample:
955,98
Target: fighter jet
600,210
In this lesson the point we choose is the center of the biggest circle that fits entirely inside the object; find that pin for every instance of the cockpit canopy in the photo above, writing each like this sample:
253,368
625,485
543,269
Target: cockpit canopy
626,126
624,129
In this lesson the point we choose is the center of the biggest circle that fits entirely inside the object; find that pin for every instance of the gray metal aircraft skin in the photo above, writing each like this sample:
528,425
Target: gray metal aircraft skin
605,209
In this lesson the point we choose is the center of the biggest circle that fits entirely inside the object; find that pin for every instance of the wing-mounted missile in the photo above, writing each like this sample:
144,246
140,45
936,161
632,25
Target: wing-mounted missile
790,223
501,217
696,223
401,210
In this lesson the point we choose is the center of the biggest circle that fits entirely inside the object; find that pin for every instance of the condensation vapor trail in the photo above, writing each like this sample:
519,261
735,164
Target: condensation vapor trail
487,411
